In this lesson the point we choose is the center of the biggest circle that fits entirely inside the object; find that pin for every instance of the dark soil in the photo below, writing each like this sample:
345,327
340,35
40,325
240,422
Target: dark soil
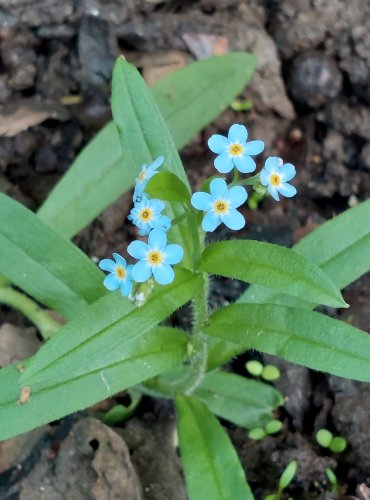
311,105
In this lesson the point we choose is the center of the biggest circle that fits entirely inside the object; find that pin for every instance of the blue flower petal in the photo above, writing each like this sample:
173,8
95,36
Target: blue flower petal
238,133
210,221
201,201
237,196
272,164
107,265
163,274
218,188
141,271
119,259
223,163
264,177
157,239
111,282
233,220
254,147
126,287
156,163
218,143
173,254
138,249
157,205
287,172
163,222
245,164
274,192
287,190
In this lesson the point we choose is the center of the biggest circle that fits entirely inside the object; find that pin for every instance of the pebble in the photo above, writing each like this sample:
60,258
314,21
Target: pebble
314,79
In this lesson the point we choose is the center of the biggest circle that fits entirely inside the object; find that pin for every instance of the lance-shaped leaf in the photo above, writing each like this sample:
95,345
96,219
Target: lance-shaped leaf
48,400
99,335
44,264
245,402
273,266
144,137
339,246
297,335
188,100
211,465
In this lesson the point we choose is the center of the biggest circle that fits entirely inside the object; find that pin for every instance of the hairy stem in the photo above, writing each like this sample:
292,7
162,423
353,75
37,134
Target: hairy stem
40,318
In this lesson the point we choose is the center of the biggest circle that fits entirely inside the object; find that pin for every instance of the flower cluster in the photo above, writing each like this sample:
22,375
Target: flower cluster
155,257
236,151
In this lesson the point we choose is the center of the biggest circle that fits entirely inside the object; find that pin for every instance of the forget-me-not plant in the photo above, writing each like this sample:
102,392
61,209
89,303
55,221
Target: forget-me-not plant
155,258
145,174
119,276
221,204
275,176
234,150
146,215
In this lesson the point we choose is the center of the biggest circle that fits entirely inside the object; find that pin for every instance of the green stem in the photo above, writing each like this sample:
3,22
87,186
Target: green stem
41,319
245,182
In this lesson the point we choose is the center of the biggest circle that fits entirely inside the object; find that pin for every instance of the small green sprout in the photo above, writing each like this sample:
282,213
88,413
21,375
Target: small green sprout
273,427
242,105
257,433
332,478
326,439
270,373
255,368
285,479
338,444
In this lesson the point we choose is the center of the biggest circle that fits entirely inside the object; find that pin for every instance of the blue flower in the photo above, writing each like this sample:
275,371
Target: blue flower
221,205
119,274
146,215
275,175
155,258
145,174
234,150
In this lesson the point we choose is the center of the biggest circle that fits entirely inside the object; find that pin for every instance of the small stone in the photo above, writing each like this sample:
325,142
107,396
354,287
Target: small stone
314,79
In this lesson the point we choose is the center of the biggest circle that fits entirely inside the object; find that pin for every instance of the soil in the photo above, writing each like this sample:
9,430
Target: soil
311,105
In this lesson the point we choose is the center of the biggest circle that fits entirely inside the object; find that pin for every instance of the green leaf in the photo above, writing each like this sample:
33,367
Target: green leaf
244,402
43,264
288,475
141,128
273,266
197,94
188,100
211,465
144,136
168,187
297,335
339,246
139,359
104,329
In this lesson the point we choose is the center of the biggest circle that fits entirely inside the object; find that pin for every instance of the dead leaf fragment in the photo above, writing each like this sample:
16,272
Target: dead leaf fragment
25,395
26,113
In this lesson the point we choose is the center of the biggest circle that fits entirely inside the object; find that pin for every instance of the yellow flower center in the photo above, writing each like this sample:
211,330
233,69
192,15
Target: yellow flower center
275,180
120,272
141,175
221,206
146,214
155,258
236,149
